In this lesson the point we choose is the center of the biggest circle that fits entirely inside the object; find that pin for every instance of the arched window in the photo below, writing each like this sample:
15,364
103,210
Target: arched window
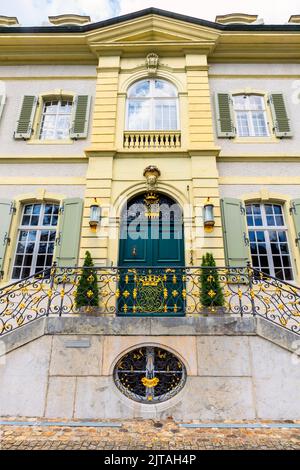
251,117
152,105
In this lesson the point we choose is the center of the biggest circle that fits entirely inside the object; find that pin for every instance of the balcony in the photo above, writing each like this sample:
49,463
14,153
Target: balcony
150,291
152,140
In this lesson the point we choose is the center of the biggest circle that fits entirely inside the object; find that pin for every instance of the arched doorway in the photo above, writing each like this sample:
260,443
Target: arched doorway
151,253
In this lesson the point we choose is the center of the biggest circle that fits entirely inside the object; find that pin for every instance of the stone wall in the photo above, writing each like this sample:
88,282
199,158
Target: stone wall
237,369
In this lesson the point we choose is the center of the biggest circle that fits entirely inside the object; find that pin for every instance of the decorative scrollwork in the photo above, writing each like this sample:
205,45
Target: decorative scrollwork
149,375
165,291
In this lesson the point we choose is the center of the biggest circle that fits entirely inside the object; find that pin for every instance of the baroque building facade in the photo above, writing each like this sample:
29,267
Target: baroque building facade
152,108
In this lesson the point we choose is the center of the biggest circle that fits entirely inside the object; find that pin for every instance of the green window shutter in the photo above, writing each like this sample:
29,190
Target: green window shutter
80,117
2,104
282,125
295,211
235,232
68,239
6,212
26,117
224,113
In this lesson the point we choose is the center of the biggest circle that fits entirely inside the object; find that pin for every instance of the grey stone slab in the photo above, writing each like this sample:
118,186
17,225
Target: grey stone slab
98,325
276,379
222,325
270,361
60,397
219,325
23,379
278,398
76,361
22,335
278,335
182,346
97,398
214,398
223,356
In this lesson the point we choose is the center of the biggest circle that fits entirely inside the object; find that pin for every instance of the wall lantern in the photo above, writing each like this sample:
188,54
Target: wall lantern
95,215
208,216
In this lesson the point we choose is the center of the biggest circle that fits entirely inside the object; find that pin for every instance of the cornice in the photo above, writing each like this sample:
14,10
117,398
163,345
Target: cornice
147,30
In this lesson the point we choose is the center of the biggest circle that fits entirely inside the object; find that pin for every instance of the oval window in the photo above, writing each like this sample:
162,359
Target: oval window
149,374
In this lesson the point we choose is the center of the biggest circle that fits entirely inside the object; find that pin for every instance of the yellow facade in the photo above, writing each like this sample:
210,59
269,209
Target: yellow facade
189,172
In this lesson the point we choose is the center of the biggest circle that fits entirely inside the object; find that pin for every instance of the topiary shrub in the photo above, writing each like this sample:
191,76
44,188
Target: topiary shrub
211,294
87,293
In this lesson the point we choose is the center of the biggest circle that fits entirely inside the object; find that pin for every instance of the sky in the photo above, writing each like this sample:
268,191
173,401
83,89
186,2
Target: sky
36,12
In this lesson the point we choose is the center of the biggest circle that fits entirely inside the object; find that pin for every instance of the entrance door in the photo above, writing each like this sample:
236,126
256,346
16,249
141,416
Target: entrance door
151,252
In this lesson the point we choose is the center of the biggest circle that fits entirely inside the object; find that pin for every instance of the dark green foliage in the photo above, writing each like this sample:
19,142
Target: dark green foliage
87,293
211,291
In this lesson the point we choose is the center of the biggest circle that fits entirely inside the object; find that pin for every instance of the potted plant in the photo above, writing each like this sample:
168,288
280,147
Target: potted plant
87,292
211,295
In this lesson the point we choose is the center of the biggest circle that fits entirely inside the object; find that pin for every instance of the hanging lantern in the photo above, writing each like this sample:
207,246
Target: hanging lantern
208,216
95,215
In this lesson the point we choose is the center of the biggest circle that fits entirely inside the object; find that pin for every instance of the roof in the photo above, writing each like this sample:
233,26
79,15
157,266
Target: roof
149,11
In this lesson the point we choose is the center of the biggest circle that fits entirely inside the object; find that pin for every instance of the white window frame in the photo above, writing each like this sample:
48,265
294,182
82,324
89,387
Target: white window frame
249,113
33,228
152,98
58,99
267,229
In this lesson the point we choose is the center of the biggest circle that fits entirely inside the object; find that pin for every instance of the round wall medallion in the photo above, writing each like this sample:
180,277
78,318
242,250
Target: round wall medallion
149,375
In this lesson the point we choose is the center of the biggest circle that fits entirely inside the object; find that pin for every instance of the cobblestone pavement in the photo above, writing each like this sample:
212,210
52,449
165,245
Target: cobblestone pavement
145,435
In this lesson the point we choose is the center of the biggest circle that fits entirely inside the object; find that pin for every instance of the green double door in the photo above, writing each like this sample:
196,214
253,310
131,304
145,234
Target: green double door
151,258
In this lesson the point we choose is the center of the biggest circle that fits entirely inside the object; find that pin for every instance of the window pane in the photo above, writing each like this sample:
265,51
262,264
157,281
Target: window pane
259,124
36,209
282,236
256,102
279,220
34,220
19,260
25,272
257,221
165,115
139,115
16,274
163,88
20,247
288,274
240,102
140,89
30,248
270,220
28,209
26,220
250,221
256,209
243,126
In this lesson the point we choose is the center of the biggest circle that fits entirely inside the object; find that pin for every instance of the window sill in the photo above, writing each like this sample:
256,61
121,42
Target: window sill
256,140
50,142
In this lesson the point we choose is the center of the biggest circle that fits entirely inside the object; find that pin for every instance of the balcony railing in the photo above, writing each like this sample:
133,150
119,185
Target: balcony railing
152,140
154,291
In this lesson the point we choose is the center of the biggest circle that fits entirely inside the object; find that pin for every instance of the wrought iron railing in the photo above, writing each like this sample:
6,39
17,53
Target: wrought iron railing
161,291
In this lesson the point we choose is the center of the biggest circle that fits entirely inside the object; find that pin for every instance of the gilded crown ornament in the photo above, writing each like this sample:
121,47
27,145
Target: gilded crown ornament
152,63
151,173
